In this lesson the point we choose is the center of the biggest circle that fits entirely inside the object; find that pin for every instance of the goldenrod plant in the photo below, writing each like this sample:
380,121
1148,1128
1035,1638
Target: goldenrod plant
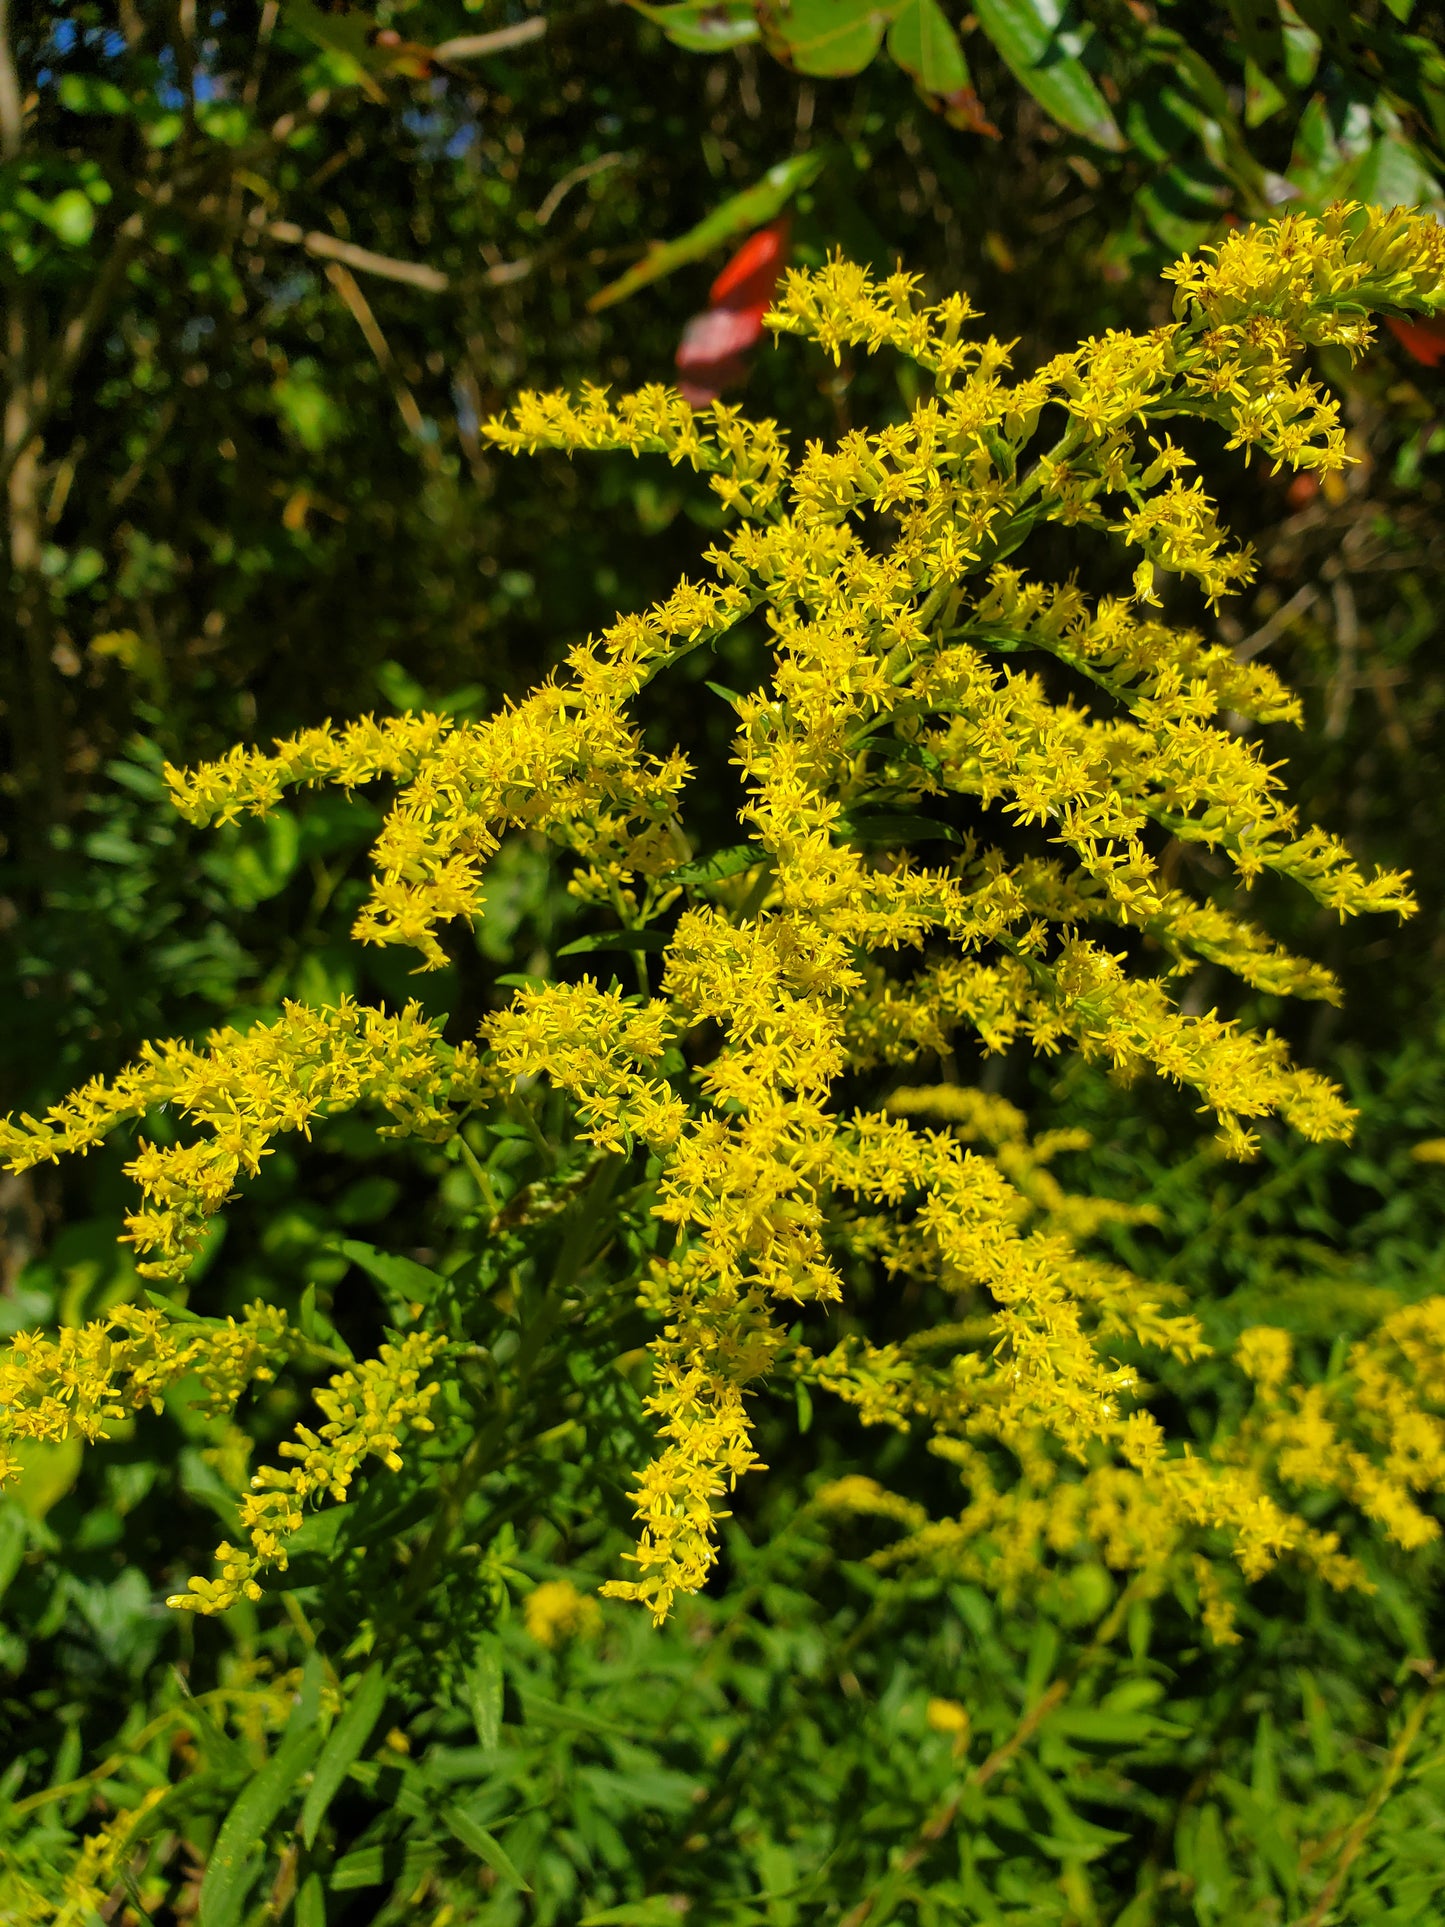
966,798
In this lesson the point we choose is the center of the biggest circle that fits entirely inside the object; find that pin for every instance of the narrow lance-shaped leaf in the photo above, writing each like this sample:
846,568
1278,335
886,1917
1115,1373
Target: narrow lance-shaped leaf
235,1860
484,1845
1261,34
737,215
482,1691
615,940
348,1737
389,1268
1031,41
925,46
703,26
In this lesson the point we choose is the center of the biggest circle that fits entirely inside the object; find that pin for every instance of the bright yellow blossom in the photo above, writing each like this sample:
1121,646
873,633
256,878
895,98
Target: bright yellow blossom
963,793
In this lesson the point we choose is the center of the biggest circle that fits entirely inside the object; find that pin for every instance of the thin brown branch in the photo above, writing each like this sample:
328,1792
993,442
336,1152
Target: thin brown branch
360,309
122,490
326,247
1270,631
12,110
267,27
573,179
508,271
1347,638
475,46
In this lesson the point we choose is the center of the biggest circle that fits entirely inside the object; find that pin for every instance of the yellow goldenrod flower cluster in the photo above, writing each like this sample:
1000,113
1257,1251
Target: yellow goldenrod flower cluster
369,1410
556,1611
84,1892
72,1385
1376,1433
246,1088
970,800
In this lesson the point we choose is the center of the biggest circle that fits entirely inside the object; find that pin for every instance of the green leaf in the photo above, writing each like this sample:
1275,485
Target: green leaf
71,217
370,1866
832,37
398,1274
1336,23
1043,58
616,940
658,1910
1176,210
484,1845
200,1480
346,36
716,869
1113,1729
343,1747
238,1854
14,1537
87,94
885,828
537,1706
1392,174
318,1532
482,1691
1261,34
179,1314
311,1902
1301,51
704,26
753,208
925,46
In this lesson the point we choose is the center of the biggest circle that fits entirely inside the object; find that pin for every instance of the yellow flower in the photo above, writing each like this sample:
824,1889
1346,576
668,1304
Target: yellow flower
947,1716
555,1611
855,930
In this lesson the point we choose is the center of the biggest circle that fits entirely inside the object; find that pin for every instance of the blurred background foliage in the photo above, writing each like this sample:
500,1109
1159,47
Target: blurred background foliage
265,270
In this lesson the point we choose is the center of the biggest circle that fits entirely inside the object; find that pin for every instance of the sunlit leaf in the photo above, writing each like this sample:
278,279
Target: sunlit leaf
925,46
1031,40
343,1746
703,26
832,37
737,215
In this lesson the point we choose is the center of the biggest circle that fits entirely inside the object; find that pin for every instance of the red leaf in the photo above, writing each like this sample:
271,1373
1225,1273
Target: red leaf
749,278
1423,341
1302,490
705,381
718,335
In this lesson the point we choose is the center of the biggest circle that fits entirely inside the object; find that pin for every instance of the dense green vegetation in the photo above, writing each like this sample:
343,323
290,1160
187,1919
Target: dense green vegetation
267,272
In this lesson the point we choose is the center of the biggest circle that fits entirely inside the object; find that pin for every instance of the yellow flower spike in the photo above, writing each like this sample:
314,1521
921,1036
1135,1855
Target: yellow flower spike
73,1385
369,1411
246,1088
911,678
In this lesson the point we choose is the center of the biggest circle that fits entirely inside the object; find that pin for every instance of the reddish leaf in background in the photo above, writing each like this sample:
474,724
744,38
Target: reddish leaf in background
710,354
752,274
1423,341
1302,490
